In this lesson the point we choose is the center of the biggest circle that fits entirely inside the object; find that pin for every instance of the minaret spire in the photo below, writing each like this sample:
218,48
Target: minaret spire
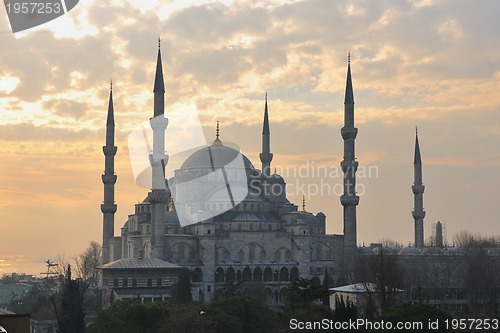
108,207
349,96
158,158
159,85
349,199
266,156
418,189
417,158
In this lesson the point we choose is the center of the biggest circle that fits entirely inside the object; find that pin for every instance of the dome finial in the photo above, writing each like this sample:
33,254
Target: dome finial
171,207
217,141
304,203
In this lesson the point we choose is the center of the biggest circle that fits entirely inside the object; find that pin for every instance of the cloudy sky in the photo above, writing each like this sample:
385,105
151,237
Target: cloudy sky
431,63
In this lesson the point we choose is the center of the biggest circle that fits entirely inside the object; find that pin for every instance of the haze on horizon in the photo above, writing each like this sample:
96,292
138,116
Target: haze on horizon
435,64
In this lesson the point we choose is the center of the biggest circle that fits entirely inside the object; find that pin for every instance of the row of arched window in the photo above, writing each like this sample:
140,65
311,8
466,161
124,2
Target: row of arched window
257,275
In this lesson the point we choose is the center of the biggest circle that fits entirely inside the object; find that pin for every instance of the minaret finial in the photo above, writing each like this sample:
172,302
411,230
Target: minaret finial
159,41
416,130
349,57
303,203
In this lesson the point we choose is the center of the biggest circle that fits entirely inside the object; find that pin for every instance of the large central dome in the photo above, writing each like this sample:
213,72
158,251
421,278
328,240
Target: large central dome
214,157
210,182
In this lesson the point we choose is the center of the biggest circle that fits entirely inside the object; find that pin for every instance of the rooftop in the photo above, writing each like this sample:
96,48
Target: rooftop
135,263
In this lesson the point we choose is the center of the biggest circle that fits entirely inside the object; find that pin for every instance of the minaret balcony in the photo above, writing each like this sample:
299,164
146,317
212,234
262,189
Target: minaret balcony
108,208
108,178
349,200
418,188
266,157
158,196
109,150
349,166
159,123
349,132
418,214
157,158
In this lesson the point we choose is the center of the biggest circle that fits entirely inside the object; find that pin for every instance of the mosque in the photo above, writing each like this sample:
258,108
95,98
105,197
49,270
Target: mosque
236,225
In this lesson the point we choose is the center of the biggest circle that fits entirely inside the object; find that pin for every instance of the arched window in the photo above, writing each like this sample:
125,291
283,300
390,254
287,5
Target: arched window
268,274
230,275
197,275
251,252
181,254
294,273
284,274
257,275
247,275
219,275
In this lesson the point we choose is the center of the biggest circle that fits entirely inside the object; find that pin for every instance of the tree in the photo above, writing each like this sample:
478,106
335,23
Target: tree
326,285
230,289
72,317
482,273
302,293
242,314
182,290
417,313
131,317
383,278
87,263
344,310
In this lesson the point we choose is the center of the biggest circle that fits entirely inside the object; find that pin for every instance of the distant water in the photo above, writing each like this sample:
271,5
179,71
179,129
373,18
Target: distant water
22,264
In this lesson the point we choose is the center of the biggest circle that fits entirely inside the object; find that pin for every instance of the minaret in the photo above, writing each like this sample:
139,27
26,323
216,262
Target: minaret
439,235
349,167
159,195
418,193
108,207
266,156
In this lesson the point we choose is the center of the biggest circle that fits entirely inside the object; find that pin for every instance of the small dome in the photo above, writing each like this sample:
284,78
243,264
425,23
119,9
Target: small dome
410,251
432,250
454,251
494,251
365,250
